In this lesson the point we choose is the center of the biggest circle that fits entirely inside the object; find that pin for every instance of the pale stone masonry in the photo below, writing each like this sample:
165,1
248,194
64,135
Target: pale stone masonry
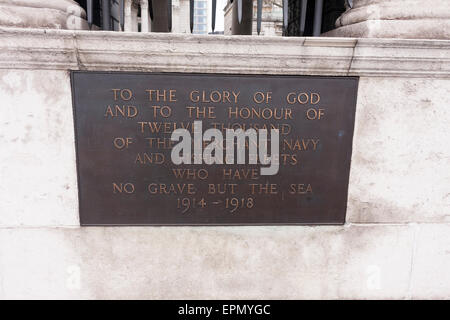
411,19
395,243
52,14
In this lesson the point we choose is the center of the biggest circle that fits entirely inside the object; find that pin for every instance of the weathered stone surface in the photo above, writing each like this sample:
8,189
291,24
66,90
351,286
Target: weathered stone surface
407,19
402,29
400,161
101,50
431,262
50,14
206,263
364,10
394,244
37,164
61,5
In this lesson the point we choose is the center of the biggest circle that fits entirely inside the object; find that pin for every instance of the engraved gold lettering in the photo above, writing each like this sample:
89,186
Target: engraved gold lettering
123,187
172,188
161,95
267,188
260,97
164,111
240,174
150,158
193,174
124,111
122,143
313,114
222,188
303,98
213,96
123,94
300,188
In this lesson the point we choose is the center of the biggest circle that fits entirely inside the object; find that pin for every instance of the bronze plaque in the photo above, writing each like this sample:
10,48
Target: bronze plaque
126,176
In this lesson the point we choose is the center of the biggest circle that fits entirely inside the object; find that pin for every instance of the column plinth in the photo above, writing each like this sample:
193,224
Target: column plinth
408,19
51,14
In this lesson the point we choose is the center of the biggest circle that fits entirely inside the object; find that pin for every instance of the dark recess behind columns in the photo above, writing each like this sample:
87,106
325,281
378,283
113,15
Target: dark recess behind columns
332,9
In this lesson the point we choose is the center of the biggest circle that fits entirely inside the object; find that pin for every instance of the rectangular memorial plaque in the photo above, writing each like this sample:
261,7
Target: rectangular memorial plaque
126,175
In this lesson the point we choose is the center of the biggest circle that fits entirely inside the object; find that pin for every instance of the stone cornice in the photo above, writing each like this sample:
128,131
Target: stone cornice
153,52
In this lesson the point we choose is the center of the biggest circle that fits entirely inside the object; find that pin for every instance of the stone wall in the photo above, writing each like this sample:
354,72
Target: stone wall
395,243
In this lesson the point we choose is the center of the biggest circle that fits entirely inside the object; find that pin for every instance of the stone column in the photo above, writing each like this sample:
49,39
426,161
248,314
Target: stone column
145,23
131,15
413,19
51,14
